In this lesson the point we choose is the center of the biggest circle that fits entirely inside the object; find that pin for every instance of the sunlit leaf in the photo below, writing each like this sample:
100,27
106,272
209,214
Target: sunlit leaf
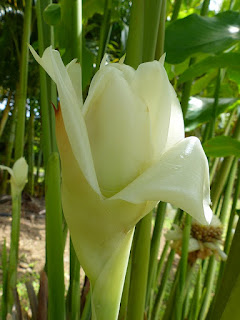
193,34
222,146
200,110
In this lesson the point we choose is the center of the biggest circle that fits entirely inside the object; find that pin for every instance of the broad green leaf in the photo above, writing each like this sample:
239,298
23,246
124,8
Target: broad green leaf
223,60
193,34
222,146
226,305
200,110
52,14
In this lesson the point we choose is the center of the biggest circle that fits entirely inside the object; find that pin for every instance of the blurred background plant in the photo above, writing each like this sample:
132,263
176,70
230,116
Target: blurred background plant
202,62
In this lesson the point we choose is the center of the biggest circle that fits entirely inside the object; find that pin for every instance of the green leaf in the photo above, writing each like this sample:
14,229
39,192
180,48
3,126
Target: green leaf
226,305
200,110
194,34
223,60
52,14
200,84
222,146
90,7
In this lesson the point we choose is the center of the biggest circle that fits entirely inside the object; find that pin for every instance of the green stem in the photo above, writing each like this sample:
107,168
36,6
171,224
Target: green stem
9,149
139,271
223,172
155,244
5,113
176,9
31,153
45,103
215,105
135,36
54,240
13,255
74,287
21,94
159,297
232,215
4,281
105,32
161,32
194,309
183,267
152,10
204,9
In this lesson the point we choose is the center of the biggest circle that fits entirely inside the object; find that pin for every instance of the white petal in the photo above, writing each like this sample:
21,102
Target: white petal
176,125
75,74
193,245
152,85
180,177
70,107
118,127
175,234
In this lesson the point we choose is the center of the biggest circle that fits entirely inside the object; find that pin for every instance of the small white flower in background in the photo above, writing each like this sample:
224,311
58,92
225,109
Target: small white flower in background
19,173
204,241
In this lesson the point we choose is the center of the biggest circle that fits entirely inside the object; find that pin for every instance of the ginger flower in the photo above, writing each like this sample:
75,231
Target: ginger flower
121,151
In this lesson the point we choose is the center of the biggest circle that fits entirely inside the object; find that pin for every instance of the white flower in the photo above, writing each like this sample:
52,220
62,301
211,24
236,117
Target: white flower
121,152
18,174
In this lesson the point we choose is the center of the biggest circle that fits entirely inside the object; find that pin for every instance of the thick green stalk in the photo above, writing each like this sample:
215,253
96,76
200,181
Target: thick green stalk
9,149
13,255
223,172
139,272
204,9
155,244
187,85
4,266
31,153
161,32
229,288
228,192
186,92
152,10
21,94
211,273
5,114
161,290
72,42
135,36
74,287
215,105
230,222
76,24
105,32
194,309
176,9
43,35
232,214
54,240
183,267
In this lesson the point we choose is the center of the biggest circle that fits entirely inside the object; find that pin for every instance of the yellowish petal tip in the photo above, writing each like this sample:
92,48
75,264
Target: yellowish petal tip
122,59
162,59
104,61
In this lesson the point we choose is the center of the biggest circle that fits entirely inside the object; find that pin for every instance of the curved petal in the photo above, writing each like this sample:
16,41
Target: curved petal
75,74
118,127
70,106
180,177
152,85
176,125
